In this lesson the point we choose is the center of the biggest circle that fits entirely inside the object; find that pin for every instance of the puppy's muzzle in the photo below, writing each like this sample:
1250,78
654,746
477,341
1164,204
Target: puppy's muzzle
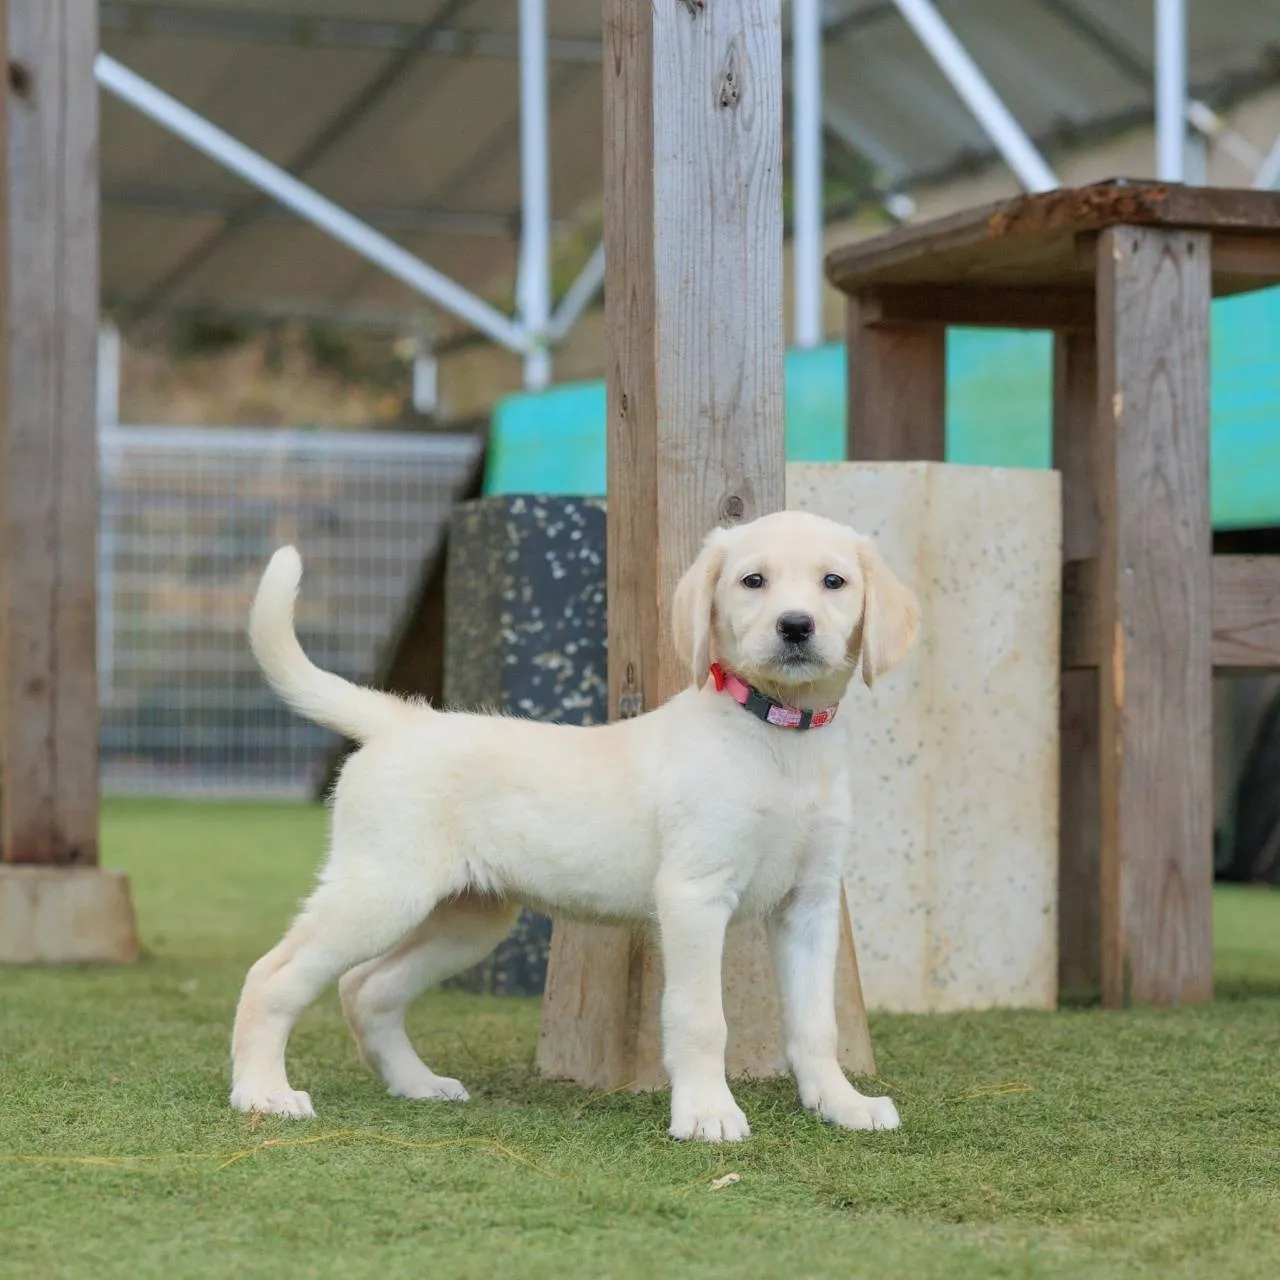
795,632
796,628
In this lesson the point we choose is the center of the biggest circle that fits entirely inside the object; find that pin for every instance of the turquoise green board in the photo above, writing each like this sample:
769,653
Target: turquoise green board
998,406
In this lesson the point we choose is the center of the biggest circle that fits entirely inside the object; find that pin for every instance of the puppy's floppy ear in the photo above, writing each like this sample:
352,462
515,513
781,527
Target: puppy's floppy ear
693,605
890,615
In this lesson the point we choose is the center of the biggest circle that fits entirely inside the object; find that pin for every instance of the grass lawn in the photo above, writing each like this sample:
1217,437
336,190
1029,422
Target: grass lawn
1136,1144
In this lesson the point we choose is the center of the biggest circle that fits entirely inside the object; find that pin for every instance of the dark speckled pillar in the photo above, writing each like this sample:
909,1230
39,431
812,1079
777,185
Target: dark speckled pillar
525,634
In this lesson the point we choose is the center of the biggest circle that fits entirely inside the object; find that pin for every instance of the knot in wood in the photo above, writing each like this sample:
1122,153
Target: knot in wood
731,79
20,79
732,508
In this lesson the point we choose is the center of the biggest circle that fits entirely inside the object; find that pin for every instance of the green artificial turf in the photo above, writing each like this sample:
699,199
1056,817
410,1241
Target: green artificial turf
1078,1144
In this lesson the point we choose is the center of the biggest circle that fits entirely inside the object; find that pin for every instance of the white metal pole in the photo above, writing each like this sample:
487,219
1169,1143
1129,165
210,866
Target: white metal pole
1268,174
578,296
108,389
426,378
1171,89
306,202
108,508
967,80
107,396
806,155
535,200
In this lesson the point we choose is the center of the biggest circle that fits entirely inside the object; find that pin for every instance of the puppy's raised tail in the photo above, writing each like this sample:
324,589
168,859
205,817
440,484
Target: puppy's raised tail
355,712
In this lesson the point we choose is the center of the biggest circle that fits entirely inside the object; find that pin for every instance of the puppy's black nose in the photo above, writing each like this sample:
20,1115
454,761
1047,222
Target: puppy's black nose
795,628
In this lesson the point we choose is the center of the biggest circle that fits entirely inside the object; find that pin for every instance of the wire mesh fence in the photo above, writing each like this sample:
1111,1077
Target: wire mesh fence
189,519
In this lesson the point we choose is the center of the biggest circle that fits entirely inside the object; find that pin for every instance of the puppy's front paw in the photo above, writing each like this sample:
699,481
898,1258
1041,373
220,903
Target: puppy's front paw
282,1102
851,1110
884,1114
708,1118
429,1086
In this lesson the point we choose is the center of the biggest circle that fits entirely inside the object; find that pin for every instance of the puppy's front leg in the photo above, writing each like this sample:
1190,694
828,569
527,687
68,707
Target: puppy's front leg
805,936
693,920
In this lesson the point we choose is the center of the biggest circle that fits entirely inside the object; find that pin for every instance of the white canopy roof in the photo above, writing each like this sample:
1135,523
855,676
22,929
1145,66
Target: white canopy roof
406,113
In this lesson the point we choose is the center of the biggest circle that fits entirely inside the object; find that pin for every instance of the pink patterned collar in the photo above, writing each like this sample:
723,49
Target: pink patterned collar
764,707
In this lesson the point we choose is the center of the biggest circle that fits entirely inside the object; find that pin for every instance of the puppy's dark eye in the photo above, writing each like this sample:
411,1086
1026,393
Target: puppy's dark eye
833,582
753,581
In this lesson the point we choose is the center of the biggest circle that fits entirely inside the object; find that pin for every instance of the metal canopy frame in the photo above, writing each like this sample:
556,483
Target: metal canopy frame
307,203
539,325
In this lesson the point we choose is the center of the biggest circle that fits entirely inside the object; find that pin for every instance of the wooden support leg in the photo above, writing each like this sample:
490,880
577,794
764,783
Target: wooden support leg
897,388
693,234
1156,613
1075,455
54,903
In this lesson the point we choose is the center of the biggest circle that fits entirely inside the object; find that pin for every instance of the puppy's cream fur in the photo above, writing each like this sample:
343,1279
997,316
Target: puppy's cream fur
689,816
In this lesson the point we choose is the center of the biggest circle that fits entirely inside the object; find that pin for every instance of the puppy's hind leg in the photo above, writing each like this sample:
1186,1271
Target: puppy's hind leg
346,921
376,995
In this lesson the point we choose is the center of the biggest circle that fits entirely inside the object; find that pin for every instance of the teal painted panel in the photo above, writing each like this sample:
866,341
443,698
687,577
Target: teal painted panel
998,414
999,398
813,402
549,442
1245,448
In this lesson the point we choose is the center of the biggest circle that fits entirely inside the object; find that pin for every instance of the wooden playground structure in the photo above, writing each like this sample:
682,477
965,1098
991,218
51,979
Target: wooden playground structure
1122,274
56,903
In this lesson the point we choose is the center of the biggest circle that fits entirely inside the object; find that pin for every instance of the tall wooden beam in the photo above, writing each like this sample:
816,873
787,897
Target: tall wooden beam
1077,454
54,904
1155,616
694,311
897,400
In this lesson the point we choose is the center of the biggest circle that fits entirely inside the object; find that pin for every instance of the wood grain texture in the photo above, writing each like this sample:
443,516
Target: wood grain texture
1155,617
694,314
603,1000
993,307
1076,456
1246,614
1029,241
594,1004
897,397
48,435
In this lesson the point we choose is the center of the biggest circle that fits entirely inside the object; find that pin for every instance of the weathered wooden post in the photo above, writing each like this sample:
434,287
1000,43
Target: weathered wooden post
694,310
55,903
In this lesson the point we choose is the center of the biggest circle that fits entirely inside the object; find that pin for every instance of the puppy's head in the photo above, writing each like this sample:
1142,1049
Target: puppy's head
790,602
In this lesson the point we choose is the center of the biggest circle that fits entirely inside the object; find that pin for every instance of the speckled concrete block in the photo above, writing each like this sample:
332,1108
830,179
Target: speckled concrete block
953,875
525,633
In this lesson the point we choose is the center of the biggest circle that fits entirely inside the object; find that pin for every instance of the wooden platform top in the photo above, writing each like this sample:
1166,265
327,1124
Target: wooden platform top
1044,241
